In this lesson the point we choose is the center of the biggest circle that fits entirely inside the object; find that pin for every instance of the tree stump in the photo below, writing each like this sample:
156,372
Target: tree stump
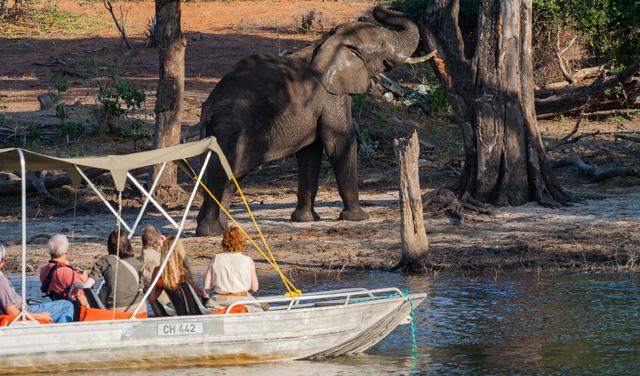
415,245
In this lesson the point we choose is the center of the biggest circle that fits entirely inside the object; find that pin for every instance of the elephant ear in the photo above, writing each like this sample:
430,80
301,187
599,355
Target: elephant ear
340,68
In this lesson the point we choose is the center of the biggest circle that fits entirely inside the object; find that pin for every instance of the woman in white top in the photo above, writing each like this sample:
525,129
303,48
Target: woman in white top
231,274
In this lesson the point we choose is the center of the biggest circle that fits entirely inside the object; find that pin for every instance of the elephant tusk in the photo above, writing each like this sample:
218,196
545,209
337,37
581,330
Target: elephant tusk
421,59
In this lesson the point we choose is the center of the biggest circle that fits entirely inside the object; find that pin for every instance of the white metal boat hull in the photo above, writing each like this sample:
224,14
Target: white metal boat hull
203,340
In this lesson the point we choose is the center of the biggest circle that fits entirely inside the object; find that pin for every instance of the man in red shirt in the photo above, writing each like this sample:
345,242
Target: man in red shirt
58,276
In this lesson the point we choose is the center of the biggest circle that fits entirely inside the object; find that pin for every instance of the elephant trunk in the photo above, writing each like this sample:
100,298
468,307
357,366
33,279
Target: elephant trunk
407,32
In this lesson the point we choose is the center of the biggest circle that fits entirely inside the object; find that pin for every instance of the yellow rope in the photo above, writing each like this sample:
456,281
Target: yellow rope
292,290
264,241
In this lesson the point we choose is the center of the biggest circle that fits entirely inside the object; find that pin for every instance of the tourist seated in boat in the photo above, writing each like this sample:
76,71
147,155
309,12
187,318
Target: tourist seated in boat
231,274
122,273
175,273
152,241
58,276
10,302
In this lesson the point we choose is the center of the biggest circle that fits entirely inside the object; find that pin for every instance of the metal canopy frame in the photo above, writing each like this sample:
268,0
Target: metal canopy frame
24,314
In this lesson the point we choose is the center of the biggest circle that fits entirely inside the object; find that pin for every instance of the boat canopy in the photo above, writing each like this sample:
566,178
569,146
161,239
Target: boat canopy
118,165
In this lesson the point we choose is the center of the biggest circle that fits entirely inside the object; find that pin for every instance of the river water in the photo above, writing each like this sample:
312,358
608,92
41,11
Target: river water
512,324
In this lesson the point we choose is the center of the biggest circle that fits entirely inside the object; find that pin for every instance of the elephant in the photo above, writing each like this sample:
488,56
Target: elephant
271,107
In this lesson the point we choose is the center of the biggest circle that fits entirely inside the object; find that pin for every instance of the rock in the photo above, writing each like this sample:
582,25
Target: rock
388,97
46,102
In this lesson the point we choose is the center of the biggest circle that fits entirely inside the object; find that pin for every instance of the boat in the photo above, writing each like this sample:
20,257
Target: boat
296,326
326,324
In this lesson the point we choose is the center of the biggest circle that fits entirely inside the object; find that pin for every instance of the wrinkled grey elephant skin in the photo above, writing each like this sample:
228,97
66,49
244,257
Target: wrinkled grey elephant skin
269,107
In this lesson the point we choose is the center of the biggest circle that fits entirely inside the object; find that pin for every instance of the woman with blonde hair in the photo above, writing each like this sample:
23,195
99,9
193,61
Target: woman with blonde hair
176,272
231,274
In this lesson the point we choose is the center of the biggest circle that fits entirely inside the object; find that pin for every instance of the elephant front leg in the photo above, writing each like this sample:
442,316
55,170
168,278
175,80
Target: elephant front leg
211,220
309,159
339,141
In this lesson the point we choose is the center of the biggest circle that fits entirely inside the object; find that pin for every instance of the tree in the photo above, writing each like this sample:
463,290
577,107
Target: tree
490,87
170,91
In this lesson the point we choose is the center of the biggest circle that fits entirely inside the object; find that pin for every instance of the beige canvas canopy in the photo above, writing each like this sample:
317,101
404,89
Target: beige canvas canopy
118,165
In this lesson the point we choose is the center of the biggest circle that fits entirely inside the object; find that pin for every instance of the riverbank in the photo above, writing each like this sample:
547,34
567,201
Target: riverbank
598,234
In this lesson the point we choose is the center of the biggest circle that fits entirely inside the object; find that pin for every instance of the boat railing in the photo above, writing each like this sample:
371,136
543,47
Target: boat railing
333,297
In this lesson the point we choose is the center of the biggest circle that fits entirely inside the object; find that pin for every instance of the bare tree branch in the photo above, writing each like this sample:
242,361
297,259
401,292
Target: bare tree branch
595,172
568,138
561,60
119,25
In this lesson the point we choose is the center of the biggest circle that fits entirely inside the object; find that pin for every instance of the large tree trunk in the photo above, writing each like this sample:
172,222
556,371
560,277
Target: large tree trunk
415,245
169,95
491,93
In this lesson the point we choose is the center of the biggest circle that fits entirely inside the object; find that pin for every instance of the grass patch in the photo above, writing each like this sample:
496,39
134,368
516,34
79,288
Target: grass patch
43,20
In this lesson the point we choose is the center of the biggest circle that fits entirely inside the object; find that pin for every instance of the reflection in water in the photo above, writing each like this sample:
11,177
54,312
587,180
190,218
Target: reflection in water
517,324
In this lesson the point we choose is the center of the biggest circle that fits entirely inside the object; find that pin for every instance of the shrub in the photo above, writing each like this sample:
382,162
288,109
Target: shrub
609,28
115,99
306,21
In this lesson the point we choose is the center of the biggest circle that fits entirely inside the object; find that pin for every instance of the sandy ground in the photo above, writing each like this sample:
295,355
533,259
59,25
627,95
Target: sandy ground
601,233
218,35
597,234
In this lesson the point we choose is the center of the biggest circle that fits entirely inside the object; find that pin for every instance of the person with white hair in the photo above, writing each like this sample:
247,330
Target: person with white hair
58,276
10,302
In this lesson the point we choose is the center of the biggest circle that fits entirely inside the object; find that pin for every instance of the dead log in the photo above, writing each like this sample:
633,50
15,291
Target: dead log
415,245
38,184
632,101
46,102
627,137
571,99
595,172
50,181
590,73
401,91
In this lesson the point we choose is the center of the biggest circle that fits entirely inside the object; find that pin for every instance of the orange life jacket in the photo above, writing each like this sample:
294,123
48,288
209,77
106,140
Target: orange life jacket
240,308
5,320
95,314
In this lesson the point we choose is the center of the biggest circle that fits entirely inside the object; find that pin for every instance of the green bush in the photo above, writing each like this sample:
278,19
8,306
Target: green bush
306,22
609,28
366,146
115,98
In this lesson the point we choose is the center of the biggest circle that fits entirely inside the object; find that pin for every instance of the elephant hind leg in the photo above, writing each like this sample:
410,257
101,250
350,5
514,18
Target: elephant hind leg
309,159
